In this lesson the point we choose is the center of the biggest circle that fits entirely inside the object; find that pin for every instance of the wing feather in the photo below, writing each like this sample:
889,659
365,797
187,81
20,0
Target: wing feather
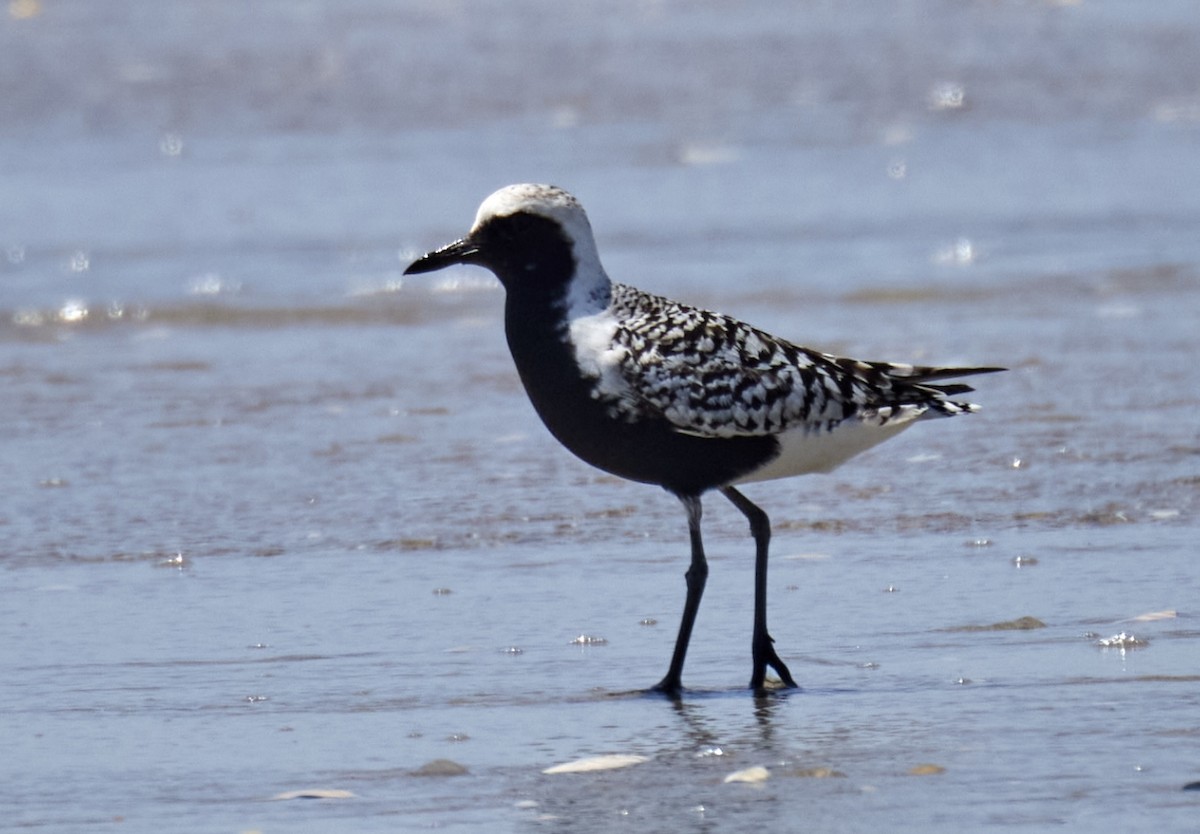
711,375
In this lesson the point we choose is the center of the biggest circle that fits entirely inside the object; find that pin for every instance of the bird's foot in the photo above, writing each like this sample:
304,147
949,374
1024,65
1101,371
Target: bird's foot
764,655
668,686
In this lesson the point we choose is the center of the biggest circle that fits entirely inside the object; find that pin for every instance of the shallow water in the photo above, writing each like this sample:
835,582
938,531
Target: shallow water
277,519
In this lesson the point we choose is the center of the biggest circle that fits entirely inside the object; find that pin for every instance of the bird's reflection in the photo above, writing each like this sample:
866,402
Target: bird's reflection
697,713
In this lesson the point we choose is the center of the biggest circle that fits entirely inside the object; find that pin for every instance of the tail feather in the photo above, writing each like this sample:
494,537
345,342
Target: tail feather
911,374
947,390
922,374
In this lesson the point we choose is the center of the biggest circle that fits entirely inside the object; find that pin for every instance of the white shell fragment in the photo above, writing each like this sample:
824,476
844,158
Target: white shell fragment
749,775
595,763
1154,616
314,793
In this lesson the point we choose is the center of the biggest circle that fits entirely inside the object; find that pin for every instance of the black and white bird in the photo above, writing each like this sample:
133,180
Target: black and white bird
662,393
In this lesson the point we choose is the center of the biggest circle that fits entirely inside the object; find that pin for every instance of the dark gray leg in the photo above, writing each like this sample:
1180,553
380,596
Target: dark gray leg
762,650
696,576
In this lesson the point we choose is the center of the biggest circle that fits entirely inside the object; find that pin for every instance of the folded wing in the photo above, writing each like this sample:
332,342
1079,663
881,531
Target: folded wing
710,375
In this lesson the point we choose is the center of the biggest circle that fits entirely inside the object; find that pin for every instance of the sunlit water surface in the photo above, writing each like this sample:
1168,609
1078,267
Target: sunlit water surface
276,519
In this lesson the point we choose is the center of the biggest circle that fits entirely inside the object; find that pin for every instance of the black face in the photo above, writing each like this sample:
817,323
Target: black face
528,253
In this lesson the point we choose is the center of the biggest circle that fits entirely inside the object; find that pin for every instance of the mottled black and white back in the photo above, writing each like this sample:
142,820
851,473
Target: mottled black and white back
710,375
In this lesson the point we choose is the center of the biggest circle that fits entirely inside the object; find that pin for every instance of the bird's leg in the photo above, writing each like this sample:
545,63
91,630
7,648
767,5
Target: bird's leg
696,576
762,650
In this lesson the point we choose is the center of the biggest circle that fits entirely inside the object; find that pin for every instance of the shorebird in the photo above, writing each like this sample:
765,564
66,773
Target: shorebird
663,393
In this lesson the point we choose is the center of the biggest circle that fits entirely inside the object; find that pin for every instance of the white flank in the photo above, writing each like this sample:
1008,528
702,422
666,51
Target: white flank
804,450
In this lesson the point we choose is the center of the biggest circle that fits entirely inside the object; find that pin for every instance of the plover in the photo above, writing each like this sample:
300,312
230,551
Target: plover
663,393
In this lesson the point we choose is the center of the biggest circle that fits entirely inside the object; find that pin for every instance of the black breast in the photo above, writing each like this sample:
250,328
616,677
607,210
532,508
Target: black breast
535,261
648,450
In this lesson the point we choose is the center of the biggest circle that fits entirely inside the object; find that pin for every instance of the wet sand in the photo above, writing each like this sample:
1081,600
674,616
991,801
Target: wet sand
278,522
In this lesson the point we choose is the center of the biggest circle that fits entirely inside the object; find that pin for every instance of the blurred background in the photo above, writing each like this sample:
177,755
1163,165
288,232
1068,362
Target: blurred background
275,515
290,150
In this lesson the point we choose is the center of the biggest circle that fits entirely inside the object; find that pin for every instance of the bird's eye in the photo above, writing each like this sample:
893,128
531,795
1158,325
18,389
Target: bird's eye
518,225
